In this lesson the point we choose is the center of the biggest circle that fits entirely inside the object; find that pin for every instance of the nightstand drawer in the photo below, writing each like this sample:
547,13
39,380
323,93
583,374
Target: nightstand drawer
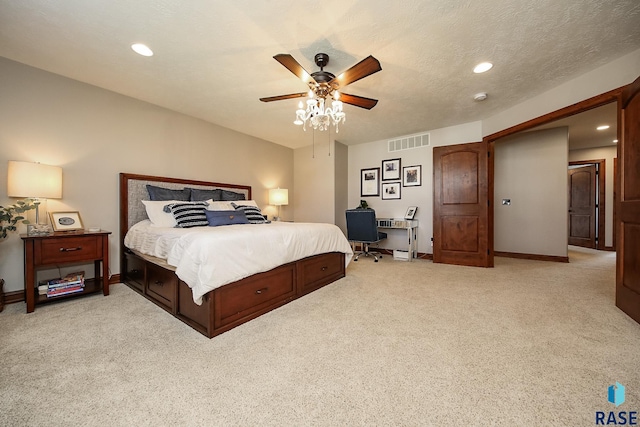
70,249
59,249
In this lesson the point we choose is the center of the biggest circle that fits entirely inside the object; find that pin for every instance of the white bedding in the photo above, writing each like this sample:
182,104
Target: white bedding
209,257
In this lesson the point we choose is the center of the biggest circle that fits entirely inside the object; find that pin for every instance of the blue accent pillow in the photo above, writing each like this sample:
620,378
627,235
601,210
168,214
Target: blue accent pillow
198,195
217,218
252,213
160,193
189,215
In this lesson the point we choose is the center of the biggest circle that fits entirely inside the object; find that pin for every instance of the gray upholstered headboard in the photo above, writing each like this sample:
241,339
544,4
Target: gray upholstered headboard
133,190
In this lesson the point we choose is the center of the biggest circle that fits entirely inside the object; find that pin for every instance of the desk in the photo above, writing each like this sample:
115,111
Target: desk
411,225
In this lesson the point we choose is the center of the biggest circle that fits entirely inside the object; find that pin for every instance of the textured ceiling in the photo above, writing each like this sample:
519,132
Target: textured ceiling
213,59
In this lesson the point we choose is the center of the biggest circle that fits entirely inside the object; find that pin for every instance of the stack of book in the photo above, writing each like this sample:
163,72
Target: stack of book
69,284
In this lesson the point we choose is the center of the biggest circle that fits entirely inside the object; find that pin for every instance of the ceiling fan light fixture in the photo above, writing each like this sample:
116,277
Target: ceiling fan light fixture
319,117
142,49
323,86
482,67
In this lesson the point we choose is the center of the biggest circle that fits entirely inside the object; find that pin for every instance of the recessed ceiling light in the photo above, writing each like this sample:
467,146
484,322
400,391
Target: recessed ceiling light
482,67
480,96
142,49
603,127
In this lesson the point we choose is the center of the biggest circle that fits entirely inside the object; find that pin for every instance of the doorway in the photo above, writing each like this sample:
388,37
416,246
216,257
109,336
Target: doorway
580,119
587,202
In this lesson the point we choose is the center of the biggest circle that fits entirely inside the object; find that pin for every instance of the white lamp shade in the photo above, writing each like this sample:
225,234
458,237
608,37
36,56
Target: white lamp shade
279,196
25,179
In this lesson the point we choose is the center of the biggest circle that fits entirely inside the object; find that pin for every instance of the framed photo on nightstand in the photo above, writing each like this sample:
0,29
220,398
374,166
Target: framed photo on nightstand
66,221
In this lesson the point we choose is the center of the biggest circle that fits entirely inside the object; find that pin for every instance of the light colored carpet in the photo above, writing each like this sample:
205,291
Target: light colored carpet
393,344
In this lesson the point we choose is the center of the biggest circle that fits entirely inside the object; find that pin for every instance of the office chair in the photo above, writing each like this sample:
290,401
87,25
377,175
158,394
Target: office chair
363,228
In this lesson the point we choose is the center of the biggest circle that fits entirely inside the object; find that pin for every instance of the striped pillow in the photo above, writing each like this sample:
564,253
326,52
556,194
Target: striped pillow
252,213
189,215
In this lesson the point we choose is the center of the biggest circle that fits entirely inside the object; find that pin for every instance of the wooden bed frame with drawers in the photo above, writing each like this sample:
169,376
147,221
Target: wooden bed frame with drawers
227,306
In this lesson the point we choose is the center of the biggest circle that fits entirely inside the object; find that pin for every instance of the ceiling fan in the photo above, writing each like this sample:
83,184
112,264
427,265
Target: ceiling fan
323,84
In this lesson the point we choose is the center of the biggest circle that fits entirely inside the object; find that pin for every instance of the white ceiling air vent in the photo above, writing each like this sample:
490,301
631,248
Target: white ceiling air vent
408,142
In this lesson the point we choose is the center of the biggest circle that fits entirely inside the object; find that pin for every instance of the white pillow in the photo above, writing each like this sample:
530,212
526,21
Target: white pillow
245,203
157,215
219,206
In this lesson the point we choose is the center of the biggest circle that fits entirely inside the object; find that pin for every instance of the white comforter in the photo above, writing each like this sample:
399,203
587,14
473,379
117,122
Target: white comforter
209,257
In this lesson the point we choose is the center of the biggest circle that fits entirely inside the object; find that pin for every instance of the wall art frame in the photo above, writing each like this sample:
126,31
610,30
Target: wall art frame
412,176
391,169
369,182
391,190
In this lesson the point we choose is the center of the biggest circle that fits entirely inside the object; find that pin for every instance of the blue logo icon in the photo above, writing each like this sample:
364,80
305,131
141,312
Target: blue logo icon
616,394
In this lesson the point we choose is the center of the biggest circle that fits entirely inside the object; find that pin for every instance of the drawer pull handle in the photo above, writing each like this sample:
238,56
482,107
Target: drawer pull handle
159,283
259,291
324,268
79,248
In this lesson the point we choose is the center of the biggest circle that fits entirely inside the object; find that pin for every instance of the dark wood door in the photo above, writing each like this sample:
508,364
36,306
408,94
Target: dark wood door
582,206
461,228
628,212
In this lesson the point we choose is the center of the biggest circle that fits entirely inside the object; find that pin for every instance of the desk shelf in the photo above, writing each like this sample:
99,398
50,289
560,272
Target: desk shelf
410,225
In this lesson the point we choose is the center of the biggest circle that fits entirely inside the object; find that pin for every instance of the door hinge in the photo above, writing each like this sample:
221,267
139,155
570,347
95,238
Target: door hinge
488,252
488,153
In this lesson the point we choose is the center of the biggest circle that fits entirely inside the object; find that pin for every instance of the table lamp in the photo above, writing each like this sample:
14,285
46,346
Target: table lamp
278,197
37,182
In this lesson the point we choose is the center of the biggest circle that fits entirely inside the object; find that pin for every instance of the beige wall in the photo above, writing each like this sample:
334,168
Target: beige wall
531,171
341,189
314,174
94,134
608,154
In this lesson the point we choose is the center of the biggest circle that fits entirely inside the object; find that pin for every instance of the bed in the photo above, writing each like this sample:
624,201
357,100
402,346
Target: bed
216,278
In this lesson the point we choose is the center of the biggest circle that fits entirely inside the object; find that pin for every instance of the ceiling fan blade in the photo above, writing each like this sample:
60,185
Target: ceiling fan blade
358,101
281,97
362,69
292,65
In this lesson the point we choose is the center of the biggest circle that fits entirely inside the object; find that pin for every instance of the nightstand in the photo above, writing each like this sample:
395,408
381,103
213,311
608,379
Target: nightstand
63,249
